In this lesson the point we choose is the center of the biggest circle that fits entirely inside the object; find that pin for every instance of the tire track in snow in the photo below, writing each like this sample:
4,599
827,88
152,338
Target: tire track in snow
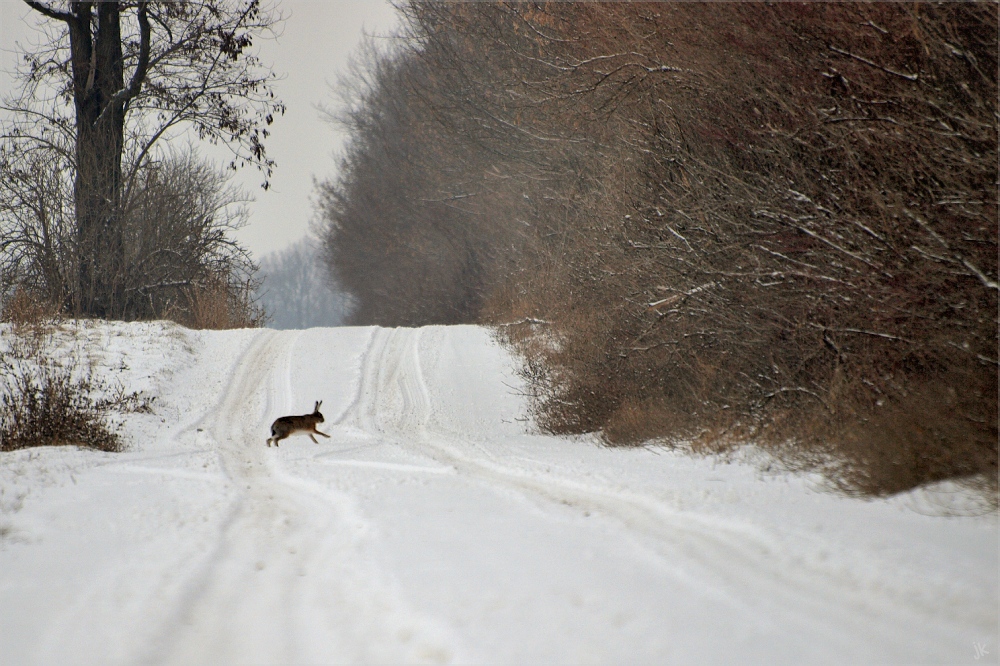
289,580
849,611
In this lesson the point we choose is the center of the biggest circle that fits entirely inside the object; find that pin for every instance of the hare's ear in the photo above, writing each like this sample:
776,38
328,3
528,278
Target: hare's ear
318,403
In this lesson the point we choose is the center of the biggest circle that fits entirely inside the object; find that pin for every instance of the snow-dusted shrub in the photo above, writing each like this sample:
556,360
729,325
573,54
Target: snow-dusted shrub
50,407
49,396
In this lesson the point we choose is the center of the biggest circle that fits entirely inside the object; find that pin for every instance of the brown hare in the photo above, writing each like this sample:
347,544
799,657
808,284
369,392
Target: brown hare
289,425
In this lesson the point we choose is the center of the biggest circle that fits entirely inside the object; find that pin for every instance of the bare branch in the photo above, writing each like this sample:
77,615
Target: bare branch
45,10
904,75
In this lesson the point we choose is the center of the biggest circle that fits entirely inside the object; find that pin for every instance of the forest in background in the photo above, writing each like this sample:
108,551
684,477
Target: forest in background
295,292
701,224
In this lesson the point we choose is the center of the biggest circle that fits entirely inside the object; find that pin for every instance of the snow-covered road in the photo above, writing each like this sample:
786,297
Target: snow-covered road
433,526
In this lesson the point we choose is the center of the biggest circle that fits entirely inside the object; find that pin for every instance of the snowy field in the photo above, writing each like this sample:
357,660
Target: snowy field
434,527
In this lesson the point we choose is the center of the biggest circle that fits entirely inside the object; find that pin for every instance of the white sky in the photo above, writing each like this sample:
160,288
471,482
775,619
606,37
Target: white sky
311,52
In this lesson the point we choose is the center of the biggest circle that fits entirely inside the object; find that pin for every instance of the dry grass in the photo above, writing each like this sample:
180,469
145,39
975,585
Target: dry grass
26,312
218,305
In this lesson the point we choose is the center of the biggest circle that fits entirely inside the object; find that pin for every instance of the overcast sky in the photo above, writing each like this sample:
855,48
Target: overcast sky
311,52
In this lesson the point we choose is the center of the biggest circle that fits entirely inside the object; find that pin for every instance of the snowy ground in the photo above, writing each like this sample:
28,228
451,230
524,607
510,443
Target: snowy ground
433,527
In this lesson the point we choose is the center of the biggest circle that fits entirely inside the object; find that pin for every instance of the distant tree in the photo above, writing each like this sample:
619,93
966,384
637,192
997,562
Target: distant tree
297,292
113,79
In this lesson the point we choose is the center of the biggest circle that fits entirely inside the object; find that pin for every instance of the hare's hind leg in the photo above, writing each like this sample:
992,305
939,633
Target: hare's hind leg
276,437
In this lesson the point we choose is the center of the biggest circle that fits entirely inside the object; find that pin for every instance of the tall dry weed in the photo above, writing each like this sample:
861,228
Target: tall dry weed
216,304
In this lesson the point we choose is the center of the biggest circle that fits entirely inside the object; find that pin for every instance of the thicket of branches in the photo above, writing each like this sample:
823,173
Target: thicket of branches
178,259
704,223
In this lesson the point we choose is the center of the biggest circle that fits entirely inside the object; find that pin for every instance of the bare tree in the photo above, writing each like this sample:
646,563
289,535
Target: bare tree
37,225
177,231
113,80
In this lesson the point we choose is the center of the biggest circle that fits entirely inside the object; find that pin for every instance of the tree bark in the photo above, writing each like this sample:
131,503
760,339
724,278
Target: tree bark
101,100
99,141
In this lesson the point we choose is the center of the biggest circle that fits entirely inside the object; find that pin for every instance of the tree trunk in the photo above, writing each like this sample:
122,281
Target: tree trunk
98,75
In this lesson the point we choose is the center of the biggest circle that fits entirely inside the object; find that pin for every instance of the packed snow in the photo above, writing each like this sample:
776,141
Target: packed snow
437,526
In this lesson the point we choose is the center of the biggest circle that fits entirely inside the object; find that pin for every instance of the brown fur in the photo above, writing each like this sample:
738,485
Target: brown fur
285,426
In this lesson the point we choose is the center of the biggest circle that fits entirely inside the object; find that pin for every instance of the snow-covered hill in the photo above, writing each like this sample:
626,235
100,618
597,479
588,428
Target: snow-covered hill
433,526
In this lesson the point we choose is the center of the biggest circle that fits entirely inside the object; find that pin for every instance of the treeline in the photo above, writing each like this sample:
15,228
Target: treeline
703,223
